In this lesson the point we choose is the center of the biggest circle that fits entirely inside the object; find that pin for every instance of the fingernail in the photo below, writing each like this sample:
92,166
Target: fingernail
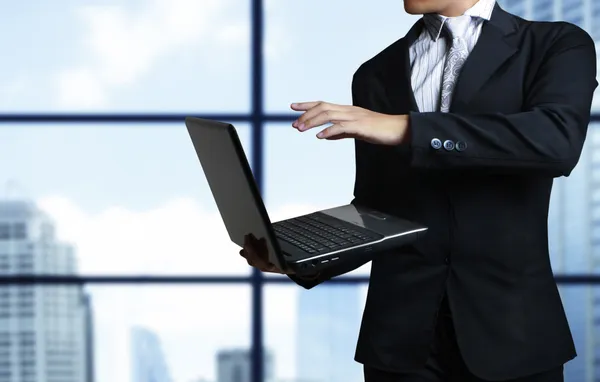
301,127
295,123
320,135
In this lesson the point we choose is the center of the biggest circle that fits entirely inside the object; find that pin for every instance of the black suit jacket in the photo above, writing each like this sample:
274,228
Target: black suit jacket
521,106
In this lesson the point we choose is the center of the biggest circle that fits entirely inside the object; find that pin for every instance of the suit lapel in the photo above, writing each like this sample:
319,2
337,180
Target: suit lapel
493,48
396,75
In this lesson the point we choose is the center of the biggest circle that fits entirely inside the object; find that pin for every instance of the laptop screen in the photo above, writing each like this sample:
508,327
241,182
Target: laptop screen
231,182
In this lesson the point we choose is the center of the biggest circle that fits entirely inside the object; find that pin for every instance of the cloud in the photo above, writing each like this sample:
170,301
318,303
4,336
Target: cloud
179,237
124,44
279,43
81,88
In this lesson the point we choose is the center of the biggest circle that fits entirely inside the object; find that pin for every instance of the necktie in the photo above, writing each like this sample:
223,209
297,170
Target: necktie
457,55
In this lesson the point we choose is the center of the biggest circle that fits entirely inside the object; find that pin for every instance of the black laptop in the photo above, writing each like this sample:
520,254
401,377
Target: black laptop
305,244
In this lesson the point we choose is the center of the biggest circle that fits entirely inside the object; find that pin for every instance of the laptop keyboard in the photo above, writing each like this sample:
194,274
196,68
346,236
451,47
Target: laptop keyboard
319,233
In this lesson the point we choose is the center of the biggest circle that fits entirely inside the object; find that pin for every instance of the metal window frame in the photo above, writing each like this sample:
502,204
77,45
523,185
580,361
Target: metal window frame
257,118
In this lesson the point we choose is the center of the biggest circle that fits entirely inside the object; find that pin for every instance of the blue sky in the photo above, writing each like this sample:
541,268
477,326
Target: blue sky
132,198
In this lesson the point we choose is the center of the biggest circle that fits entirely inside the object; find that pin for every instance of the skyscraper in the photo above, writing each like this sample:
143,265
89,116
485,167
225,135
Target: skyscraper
234,365
89,337
42,328
328,324
584,13
516,7
147,357
595,15
573,11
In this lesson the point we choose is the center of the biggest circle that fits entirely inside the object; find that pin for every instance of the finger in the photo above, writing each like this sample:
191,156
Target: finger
319,107
327,116
262,245
249,254
271,268
258,263
337,131
341,136
246,256
303,106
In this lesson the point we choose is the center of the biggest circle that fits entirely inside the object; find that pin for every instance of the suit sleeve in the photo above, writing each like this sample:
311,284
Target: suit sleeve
546,139
359,98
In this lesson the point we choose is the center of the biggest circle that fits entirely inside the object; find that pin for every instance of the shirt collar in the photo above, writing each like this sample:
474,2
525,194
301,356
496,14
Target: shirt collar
434,22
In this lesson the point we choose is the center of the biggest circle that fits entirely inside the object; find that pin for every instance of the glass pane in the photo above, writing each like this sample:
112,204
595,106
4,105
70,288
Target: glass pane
574,11
308,63
569,219
139,334
573,217
111,198
516,7
313,334
99,56
543,10
322,174
581,305
595,16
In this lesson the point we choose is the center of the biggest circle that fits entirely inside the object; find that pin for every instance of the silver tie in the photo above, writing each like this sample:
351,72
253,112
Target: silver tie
457,55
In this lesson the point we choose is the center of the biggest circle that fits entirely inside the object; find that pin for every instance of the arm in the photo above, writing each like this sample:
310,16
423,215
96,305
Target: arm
545,139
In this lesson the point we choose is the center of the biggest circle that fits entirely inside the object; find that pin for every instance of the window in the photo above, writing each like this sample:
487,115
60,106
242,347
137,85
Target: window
292,74
135,202
98,146
122,56
4,231
19,231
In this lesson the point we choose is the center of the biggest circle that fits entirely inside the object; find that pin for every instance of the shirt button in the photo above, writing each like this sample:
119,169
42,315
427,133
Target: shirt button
436,143
449,145
461,146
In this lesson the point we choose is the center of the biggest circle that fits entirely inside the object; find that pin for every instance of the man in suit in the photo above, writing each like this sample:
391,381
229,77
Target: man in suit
462,125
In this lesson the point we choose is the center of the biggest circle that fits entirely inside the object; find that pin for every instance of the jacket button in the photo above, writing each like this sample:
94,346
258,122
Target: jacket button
461,146
436,143
449,145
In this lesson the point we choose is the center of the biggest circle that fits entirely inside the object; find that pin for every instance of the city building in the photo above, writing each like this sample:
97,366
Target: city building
89,337
43,328
234,365
516,7
584,13
147,357
327,331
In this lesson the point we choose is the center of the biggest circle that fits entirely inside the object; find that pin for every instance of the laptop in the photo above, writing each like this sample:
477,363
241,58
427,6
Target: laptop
305,244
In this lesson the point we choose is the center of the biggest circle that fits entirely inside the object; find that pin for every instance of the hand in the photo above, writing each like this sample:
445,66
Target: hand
352,122
257,254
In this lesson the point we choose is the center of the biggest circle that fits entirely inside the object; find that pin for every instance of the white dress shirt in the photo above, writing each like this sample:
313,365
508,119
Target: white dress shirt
428,53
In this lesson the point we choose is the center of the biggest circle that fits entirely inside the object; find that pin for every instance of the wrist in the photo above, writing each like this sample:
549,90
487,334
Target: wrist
404,121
